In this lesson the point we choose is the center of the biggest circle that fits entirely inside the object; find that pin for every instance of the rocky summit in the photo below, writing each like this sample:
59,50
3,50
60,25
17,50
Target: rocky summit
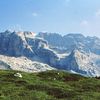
30,52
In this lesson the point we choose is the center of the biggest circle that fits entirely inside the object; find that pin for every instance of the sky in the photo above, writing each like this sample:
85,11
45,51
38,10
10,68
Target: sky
60,16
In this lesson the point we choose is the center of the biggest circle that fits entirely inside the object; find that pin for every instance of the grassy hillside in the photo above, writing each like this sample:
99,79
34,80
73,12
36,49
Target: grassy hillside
50,85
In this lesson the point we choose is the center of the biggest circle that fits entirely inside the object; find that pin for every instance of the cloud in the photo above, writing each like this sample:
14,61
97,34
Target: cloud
66,2
97,14
34,14
16,27
84,23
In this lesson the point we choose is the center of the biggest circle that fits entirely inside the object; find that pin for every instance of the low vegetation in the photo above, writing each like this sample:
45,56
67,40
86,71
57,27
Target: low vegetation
49,85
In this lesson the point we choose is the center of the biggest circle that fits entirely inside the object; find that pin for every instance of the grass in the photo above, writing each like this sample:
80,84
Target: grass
49,85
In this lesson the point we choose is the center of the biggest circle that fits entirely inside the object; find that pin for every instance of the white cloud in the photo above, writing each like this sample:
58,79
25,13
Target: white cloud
34,14
97,13
66,2
84,23
16,27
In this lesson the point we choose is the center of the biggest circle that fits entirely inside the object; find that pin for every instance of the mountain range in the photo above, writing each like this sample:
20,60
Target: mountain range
30,52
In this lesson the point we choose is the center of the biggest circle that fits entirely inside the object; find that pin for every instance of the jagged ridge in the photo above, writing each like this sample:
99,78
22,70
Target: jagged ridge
28,50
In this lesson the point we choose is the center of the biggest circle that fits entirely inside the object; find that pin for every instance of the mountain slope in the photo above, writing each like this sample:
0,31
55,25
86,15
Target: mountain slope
26,52
72,41
81,63
83,53
49,85
22,64
22,51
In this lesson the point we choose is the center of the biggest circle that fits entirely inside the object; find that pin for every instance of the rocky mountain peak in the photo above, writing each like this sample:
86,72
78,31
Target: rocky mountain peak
26,51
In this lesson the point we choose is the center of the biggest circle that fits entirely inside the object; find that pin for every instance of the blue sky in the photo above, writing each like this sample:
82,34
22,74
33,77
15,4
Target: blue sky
63,16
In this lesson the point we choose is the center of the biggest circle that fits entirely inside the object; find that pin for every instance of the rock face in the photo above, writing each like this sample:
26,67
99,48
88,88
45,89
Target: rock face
82,63
69,42
4,65
16,45
83,53
22,64
73,52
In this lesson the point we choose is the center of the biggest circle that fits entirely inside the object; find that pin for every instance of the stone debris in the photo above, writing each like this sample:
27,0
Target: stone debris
18,75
